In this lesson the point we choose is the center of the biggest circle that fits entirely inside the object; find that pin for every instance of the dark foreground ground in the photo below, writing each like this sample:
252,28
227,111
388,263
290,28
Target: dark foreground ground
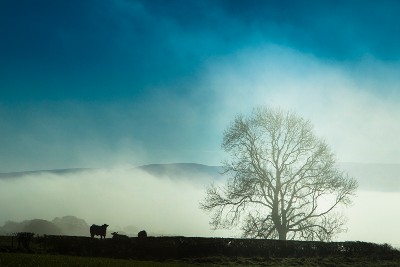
39,260
183,251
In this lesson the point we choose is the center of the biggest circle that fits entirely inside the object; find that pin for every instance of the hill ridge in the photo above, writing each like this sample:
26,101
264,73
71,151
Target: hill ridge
370,176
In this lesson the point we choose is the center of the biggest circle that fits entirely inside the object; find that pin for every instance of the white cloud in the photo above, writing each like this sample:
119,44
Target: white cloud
344,102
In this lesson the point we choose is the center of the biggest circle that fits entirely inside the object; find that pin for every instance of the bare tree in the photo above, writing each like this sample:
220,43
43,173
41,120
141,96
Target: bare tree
283,182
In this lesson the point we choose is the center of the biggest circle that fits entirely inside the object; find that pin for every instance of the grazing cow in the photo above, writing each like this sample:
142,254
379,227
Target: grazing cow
98,230
142,234
115,235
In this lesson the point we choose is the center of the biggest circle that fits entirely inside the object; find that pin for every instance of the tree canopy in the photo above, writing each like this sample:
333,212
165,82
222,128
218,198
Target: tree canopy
283,181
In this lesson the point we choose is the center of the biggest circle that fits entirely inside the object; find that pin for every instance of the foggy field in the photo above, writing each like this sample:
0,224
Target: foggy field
117,197
130,200
133,199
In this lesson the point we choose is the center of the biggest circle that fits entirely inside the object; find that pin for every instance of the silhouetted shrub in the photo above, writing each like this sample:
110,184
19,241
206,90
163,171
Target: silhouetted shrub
142,234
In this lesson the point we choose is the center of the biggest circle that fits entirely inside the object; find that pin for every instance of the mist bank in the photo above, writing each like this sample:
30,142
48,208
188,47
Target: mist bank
164,199
370,176
66,225
118,197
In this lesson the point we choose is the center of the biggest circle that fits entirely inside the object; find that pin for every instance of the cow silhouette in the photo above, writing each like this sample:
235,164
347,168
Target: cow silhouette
142,234
115,235
98,230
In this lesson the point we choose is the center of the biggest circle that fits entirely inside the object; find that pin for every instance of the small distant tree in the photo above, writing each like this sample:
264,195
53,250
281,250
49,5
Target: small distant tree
282,180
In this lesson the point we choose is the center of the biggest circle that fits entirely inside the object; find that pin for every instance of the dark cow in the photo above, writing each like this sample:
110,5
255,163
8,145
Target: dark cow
115,235
142,234
98,230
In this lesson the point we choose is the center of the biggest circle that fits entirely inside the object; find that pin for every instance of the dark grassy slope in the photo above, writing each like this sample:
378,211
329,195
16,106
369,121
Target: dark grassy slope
43,260
182,251
161,248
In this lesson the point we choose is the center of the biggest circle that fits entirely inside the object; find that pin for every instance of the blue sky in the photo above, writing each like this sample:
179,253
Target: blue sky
103,83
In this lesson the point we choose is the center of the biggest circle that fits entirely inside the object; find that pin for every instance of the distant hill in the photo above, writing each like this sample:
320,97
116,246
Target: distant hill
173,171
189,171
71,225
371,177
6,175
67,225
374,177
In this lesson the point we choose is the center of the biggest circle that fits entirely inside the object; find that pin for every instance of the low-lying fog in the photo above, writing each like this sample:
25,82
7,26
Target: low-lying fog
161,205
117,197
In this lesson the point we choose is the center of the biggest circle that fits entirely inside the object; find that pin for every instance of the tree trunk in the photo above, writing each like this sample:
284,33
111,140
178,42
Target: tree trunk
282,234
276,218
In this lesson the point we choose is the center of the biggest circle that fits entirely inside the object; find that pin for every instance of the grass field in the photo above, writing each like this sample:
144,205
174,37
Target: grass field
179,251
39,260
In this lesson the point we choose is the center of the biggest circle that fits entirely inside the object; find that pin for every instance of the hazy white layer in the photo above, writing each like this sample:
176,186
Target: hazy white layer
160,205
117,197
374,217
